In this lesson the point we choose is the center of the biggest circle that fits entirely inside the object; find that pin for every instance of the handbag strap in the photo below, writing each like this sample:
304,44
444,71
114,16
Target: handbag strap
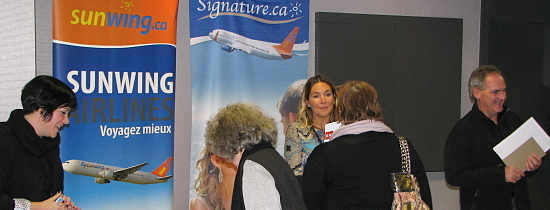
405,156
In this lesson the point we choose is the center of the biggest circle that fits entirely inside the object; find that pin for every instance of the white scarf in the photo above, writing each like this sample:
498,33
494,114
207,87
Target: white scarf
361,127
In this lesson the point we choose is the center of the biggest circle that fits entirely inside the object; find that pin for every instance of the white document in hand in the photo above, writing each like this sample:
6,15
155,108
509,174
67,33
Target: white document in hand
527,139
329,129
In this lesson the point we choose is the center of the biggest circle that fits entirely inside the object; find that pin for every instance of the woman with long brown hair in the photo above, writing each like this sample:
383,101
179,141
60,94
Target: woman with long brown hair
316,110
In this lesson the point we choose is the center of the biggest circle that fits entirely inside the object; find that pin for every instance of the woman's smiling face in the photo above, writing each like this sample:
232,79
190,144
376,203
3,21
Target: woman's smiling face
60,117
321,99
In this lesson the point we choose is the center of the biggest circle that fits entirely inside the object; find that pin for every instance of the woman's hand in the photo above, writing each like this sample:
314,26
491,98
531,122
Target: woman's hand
51,204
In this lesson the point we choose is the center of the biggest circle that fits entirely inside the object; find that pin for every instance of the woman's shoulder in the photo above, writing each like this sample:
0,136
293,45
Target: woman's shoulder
5,128
297,128
297,125
199,203
8,137
369,135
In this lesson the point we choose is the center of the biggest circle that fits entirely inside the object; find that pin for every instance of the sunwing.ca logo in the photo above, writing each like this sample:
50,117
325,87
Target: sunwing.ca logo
95,18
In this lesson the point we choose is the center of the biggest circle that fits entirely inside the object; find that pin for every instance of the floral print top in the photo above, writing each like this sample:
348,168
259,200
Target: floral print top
300,141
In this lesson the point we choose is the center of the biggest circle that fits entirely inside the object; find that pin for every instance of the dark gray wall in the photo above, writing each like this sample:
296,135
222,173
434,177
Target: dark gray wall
414,63
515,37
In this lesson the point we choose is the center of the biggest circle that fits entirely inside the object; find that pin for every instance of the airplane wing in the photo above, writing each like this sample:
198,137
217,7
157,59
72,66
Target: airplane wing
240,47
243,48
164,178
248,51
123,173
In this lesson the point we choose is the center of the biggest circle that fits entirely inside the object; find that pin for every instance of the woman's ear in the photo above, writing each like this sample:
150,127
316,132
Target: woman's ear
217,160
292,117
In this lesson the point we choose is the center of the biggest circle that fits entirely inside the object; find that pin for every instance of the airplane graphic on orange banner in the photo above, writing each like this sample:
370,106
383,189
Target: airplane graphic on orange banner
231,41
105,173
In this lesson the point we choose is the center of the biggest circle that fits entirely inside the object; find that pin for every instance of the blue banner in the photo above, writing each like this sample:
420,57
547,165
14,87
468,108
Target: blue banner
244,51
119,59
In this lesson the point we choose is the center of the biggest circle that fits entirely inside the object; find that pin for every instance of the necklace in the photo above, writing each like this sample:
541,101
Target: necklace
316,135
318,127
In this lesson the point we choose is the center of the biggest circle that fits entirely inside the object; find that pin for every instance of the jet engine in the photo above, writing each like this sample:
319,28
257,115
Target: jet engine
101,181
107,174
227,48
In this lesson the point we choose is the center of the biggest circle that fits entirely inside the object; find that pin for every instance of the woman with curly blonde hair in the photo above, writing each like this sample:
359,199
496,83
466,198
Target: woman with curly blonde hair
242,135
214,184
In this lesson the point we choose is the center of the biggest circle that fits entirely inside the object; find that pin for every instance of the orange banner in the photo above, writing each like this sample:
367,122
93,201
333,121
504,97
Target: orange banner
108,22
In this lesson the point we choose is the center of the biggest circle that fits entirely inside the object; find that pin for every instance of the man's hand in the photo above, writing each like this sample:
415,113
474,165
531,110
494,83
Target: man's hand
513,174
533,162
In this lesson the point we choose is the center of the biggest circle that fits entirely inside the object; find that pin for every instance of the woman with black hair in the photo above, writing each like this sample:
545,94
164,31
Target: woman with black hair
31,174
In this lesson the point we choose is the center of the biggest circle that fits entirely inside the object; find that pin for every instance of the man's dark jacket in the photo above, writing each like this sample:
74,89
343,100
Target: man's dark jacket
471,163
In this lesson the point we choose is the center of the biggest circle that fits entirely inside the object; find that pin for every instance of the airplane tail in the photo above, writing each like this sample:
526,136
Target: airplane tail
163,168
215,38
285,48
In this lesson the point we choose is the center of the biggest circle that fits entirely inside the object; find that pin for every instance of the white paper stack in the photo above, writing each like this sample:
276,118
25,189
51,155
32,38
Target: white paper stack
527,139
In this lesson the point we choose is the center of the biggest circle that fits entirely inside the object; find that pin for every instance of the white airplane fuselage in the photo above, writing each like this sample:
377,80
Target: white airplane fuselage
250,46
105,172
